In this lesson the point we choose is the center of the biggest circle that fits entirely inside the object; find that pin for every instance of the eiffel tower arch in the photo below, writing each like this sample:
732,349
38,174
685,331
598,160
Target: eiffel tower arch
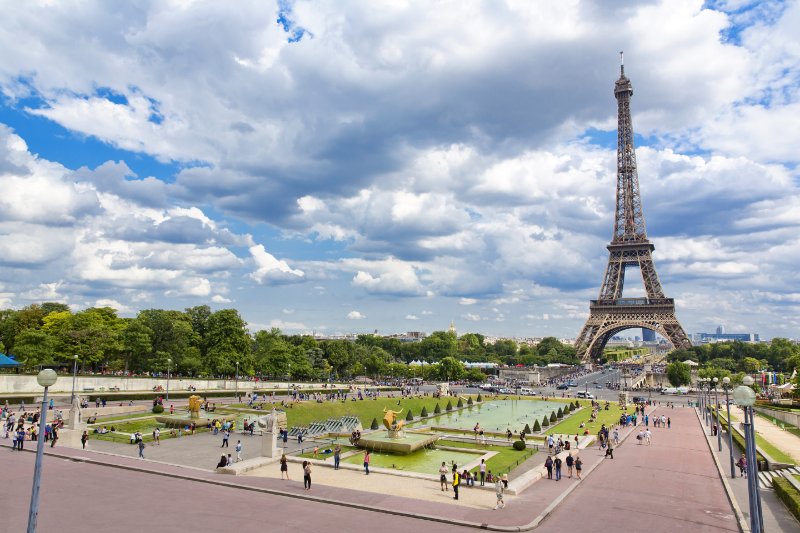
611,312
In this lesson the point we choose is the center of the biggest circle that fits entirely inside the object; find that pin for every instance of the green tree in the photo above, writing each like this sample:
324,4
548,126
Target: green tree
228,343
34,348
451,369
136,344
678,374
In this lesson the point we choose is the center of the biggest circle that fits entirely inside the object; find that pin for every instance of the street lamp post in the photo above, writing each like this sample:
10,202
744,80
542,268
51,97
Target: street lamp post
45,378
169,364
236,383
706,403
716,406
745,398
74,375
726,384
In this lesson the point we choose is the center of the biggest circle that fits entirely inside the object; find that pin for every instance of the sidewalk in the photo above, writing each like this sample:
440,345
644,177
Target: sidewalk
776,517
785,441
671,485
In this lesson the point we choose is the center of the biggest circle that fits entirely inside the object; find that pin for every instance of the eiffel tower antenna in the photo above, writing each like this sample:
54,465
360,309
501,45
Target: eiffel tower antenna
611,313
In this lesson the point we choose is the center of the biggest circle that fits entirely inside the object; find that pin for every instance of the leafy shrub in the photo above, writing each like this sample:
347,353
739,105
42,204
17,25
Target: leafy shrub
460,403
424,412
519,445
527,429
469,401
158,408
553,416
545,422
537,427
560,413
409,416
437,409
479,398
374,424
787,494
449,406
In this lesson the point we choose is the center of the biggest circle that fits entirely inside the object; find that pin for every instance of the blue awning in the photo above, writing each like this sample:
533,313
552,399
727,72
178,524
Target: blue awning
7,362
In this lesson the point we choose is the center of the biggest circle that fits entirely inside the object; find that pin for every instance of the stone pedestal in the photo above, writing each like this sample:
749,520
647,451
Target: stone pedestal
396,433
623,400
269,444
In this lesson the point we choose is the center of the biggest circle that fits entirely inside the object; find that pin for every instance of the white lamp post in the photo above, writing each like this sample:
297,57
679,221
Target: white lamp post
169,364
726,384
236,382
716,406
74,375
745,398
45,378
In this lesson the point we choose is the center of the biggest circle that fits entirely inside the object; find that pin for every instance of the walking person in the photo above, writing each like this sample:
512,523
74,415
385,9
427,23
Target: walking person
367,459
225,436
443,477
456,481
54,436
548,464
307,475
570,462
84,438
482,471
337,455
238,449
141,448
647,436
557,465
157,436
669,423
284,466
498,491
578,467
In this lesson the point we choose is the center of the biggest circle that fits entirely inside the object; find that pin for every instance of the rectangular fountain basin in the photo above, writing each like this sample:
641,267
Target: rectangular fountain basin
380,442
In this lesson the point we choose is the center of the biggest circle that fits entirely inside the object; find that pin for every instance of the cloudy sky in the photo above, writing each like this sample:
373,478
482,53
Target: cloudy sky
348,166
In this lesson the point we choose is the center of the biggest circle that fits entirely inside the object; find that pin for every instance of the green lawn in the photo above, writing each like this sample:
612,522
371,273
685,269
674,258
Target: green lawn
506,460
570,426
103,419
144,426
303,413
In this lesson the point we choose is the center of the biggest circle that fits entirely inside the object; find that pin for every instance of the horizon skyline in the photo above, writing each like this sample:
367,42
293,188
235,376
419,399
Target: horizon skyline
336,167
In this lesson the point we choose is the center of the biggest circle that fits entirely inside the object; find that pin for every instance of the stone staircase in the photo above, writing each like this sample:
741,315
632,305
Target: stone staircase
345,424
765,477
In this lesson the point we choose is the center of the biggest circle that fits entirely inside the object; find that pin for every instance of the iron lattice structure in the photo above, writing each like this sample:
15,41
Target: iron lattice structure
611,313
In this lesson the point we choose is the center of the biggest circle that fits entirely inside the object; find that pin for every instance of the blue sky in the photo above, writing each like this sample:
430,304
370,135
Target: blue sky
350,167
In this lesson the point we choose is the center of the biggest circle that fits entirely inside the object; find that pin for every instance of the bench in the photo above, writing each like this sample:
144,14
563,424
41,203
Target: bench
88,389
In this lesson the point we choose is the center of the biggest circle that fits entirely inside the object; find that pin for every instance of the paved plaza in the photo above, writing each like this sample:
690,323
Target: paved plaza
672,484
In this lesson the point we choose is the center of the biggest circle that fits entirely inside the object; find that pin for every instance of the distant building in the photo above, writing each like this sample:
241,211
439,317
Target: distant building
720,330
702,338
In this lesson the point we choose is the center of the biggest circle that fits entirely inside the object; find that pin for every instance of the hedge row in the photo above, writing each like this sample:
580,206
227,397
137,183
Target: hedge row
789,495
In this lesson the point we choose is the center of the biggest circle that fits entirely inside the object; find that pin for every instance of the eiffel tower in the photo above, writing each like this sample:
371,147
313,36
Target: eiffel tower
611,313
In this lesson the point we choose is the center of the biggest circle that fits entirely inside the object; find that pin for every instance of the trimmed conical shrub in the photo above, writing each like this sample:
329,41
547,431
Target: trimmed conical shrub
479,398
409,416
469,401
527,429
568,408
437,409
374,424
449,406
424,412
553,416
560,413
460,403
545,422
537,427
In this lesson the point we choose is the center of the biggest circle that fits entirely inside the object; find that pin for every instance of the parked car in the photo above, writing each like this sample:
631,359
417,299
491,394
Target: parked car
584,394
563,386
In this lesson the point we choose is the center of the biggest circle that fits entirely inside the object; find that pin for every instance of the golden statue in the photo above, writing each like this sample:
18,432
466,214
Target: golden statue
390,420
195,404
